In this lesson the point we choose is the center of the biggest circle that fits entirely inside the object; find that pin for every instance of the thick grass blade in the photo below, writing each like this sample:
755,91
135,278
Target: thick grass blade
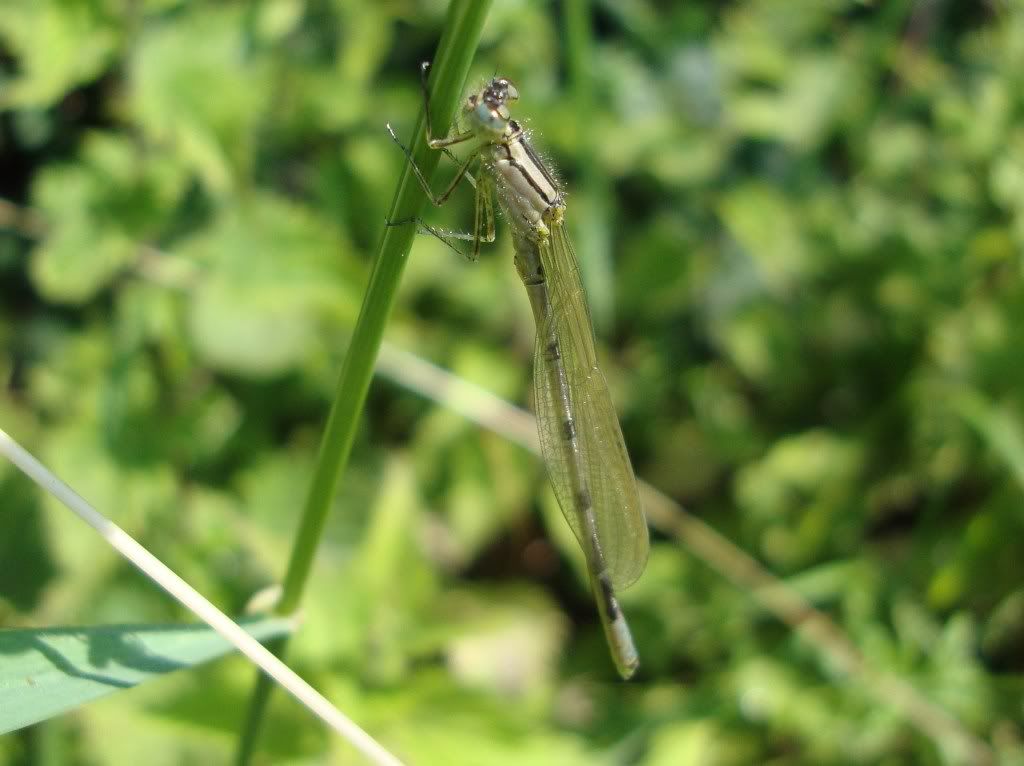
448,73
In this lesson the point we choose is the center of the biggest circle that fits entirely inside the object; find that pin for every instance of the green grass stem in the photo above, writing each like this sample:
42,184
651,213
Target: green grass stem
449,69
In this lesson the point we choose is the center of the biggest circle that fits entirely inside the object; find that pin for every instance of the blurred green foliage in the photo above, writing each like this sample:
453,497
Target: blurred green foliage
816,315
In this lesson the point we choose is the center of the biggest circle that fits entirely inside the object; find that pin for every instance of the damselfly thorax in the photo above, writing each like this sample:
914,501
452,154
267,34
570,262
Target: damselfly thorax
528,191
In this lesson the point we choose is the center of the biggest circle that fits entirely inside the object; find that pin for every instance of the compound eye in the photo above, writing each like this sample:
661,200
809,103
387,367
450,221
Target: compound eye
512,92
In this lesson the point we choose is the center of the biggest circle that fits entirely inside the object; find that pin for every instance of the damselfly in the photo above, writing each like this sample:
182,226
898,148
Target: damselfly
580,437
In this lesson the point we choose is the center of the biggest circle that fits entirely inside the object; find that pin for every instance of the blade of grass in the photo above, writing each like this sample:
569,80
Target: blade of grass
459,40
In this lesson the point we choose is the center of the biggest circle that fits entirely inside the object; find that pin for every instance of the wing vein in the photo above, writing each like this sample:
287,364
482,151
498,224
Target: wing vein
598,453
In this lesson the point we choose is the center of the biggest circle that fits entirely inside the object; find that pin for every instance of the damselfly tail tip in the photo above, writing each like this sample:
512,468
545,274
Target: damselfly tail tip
623,649
626,662
626,672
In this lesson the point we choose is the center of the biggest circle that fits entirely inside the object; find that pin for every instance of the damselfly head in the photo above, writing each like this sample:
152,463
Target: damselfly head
489,106
500,90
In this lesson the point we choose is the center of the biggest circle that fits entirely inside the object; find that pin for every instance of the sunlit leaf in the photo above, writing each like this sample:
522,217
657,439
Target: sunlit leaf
272,279
48,671
59,46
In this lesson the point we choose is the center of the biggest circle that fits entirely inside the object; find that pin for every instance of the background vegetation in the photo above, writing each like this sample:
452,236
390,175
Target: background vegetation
802,225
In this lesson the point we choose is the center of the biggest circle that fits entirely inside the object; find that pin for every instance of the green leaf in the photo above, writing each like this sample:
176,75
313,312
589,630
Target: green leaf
798,495
770,229
802,111
78,260
272,277
99,209
57,46
998,428
49,671
195,87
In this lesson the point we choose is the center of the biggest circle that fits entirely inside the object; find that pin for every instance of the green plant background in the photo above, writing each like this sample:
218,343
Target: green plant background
802,225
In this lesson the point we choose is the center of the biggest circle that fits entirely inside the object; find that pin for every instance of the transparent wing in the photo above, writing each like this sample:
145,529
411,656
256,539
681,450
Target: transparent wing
599,465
